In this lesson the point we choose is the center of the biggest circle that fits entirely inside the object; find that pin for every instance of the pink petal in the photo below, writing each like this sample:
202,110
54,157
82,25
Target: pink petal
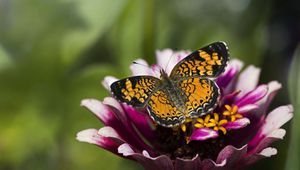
146,154
141,121
237,124
167,59
87,135
182,54
155,68
92,136
208,164
111,101
161,162
229,97
140,67
232,156
203,134
270,130
99,109
125,149
132,123
233,68
266,141
273,88
108,80
248,80
162,57
268,152
235,64
253,96
109,132
247,108
117,119
277,118
194,163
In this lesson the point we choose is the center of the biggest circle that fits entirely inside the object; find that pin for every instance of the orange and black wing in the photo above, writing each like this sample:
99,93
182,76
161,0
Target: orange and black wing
202,95
135,90
163,111
209,61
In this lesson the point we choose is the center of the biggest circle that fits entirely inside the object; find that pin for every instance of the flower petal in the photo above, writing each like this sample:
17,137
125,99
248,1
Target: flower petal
277,118
168,58
87,136
234,66
92,136
125,150
266,141
252,158
247,108
194,163
155,68
141,122
161,162
111,101
268,152
229,97
208,164
99,109
115,116
270,130
203,134
107,81
253,96
109,132
237,124
140,67
232,156
273,88
248,80
162,57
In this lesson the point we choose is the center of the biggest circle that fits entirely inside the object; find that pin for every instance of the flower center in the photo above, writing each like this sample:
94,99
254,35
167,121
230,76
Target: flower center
176,141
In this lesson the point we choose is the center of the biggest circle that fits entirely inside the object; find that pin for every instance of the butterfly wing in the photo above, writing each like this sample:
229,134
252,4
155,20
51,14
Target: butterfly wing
202,95
209,61
135,90
163,111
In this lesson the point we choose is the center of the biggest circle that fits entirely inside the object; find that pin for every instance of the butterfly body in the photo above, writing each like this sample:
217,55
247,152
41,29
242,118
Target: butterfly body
175,94
188,92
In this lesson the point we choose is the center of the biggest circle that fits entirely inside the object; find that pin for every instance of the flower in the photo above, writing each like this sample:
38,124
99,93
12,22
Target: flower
236,134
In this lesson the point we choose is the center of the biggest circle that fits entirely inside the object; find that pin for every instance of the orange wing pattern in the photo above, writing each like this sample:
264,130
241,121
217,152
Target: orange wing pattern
202,95
186,93
163,110
209,61
136,90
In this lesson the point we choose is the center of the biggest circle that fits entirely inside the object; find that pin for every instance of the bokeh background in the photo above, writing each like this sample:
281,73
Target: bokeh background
53,53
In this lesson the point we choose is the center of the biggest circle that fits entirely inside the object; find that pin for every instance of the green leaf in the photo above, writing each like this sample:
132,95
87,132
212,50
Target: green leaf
293,156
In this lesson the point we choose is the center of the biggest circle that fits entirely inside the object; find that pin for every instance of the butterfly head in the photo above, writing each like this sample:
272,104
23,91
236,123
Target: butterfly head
163,74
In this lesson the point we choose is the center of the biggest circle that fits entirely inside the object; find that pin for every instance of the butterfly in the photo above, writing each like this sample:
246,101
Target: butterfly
188,92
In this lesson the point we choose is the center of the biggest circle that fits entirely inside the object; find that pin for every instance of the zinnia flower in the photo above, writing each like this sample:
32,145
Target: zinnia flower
236,134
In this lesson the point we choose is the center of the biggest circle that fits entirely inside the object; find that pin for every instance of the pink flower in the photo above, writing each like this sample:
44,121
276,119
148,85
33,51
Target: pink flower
236,134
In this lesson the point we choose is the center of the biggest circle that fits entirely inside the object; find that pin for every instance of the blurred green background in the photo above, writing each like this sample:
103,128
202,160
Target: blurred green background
53,53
